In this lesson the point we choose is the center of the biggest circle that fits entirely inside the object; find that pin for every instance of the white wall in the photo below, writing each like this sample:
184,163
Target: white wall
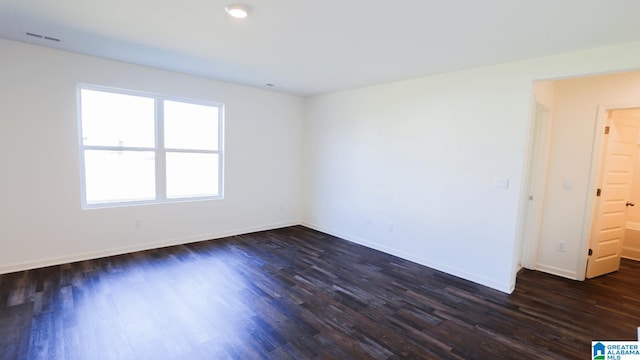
41,222
544,93
408,167
633,213
421,157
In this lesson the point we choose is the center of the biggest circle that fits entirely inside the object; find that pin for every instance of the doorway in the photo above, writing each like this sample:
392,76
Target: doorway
559,241
538,156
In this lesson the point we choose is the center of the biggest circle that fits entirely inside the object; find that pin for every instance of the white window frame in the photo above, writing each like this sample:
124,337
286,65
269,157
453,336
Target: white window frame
159,149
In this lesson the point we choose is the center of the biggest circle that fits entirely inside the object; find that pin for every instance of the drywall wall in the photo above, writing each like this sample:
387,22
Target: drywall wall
41,222
544,93
565,213
417,168
633,212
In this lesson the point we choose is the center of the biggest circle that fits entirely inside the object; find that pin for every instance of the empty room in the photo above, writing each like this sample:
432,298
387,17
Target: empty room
319,180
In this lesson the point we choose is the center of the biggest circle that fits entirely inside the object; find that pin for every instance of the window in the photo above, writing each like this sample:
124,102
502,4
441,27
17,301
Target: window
139,148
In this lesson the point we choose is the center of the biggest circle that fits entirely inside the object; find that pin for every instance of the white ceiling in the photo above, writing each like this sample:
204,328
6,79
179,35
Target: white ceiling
308,47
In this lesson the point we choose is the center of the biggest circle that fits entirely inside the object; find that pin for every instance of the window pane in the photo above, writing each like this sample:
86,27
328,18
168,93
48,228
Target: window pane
117,176
190,126
191,175
110,119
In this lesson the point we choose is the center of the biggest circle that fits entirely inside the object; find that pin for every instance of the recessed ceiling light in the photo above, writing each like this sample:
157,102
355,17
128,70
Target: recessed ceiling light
238,11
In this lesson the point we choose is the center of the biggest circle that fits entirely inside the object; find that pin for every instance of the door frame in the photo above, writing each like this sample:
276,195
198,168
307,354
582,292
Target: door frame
536,181
592,184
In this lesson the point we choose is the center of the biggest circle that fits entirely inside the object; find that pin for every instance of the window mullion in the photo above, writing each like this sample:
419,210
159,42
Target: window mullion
161,153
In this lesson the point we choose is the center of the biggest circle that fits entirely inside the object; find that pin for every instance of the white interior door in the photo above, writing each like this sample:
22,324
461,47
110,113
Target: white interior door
616,175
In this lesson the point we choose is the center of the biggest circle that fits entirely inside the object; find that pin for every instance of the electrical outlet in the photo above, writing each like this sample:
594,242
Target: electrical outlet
561,246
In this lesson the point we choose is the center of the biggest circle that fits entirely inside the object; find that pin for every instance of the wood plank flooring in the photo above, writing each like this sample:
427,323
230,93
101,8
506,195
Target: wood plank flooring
295,293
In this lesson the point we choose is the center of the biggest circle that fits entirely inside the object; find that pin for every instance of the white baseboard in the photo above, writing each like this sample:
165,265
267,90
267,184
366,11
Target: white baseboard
4,269
557,271
506,288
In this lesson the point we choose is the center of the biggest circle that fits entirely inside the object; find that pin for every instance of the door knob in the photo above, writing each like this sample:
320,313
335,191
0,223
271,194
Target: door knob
629,203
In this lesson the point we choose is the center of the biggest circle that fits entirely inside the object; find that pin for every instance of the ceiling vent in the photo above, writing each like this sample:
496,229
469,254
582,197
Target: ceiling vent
42,37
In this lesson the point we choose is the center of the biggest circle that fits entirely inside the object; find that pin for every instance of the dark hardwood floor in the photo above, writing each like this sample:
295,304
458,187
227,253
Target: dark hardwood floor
295,293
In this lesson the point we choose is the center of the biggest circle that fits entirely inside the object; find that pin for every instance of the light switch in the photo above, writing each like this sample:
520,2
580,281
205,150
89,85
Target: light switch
567,185
502,184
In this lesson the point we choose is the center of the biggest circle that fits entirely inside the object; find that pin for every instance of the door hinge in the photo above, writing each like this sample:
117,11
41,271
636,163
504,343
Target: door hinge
606,130
598,192
590,252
